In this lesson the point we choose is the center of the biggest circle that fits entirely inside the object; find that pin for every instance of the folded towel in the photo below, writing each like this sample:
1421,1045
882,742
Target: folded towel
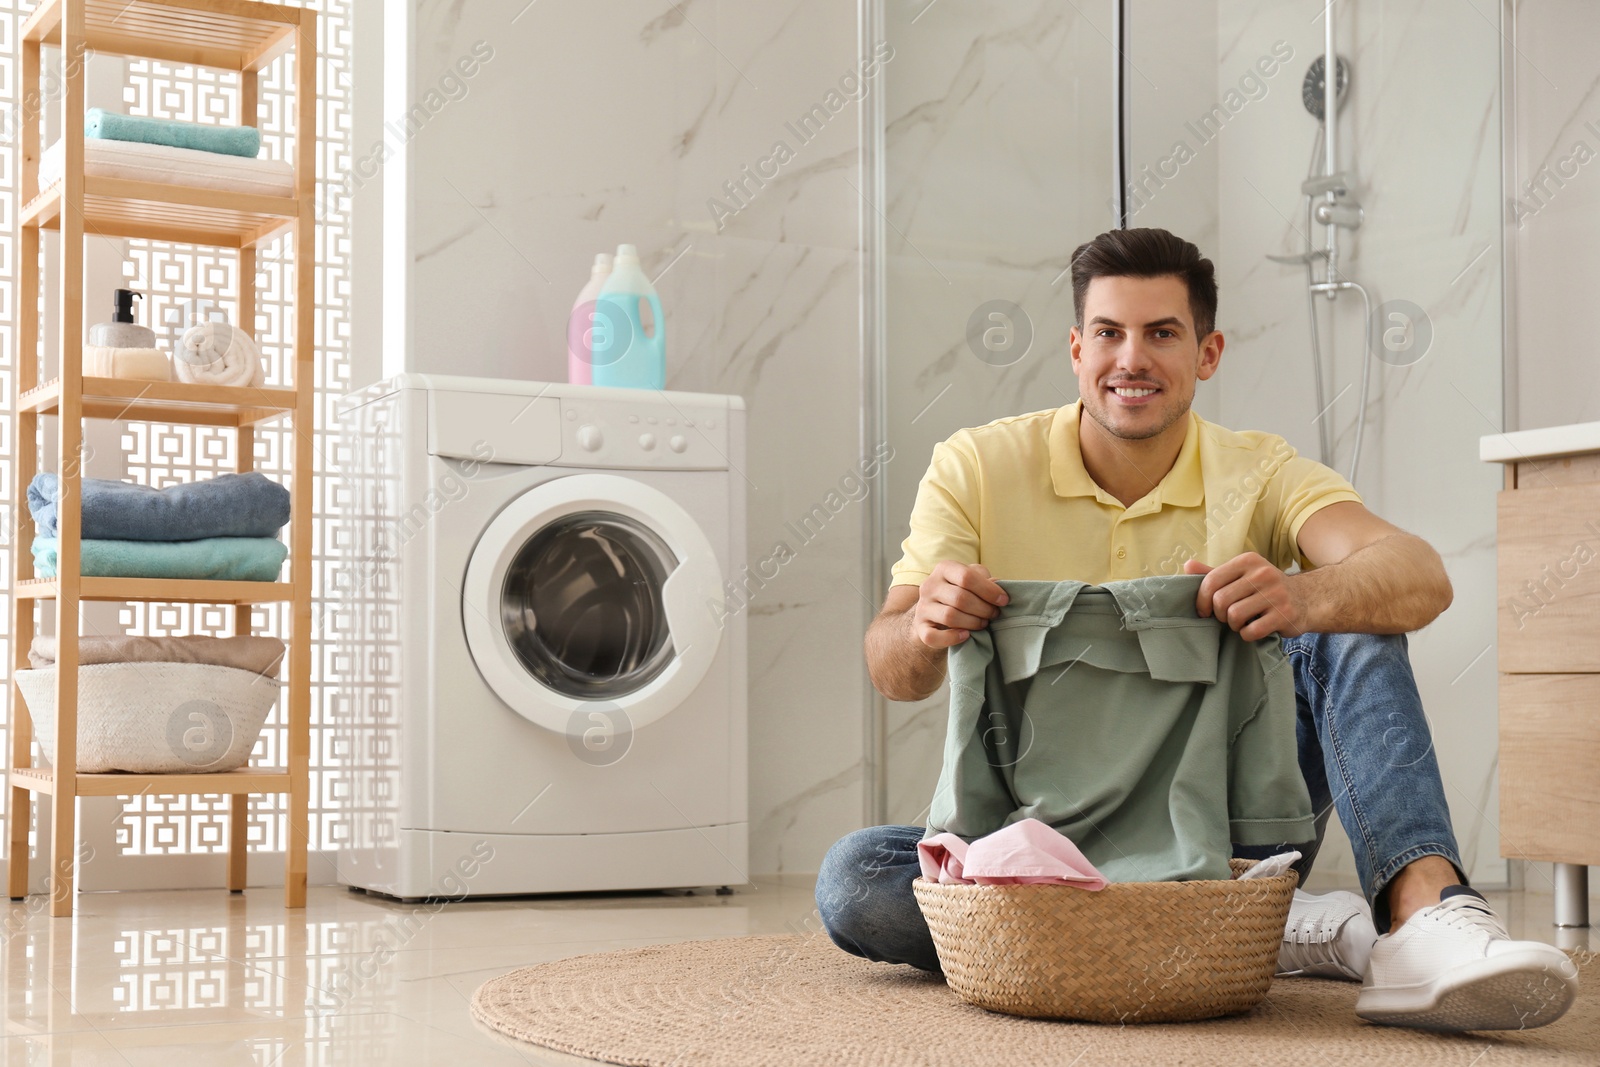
232,559
215,353
225,140
229,505
148,364
140,162
262,655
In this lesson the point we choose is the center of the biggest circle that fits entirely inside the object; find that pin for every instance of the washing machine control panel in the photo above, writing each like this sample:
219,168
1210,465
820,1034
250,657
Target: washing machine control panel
622,434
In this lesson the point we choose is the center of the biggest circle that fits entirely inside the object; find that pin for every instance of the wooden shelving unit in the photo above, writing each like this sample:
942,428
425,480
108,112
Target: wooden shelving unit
238,35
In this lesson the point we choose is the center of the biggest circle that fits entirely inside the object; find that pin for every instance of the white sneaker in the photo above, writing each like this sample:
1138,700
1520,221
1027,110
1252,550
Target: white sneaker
1453,966
1327,936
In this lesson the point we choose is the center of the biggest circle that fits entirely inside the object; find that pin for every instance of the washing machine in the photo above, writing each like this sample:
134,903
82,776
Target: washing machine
536,682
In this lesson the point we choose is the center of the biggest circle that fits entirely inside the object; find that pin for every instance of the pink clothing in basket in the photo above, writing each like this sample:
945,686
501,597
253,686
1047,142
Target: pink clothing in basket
1025,853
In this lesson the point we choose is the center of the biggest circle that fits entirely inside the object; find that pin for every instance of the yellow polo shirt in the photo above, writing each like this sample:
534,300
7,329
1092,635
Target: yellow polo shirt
1014,496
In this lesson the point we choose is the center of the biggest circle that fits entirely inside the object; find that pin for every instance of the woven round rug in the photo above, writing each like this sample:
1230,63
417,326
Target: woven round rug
793,1000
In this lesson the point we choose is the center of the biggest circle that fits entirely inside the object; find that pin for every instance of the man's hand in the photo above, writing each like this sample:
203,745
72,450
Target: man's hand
1252,596
956,599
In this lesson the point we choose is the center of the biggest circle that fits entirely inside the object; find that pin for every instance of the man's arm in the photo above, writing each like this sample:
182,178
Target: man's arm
906,643
1370,577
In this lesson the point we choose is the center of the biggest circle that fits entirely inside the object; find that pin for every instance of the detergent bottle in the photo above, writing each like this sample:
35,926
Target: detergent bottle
580,324
624,352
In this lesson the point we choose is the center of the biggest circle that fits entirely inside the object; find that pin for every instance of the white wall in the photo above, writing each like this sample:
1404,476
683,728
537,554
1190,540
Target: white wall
998,166
997,150
594,125
997,153
1422,138
1554,205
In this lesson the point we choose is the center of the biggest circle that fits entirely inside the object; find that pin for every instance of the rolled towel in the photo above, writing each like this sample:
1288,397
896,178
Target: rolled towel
224,140
262,655
229,559
228,505
215,353
147,364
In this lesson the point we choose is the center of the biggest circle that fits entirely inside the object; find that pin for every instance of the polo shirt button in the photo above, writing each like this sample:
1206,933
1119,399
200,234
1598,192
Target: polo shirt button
1122,553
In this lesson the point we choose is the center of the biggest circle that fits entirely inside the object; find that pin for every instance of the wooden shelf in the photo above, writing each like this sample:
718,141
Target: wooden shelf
227,34
186,214
43,780
179,402
162,590
243,36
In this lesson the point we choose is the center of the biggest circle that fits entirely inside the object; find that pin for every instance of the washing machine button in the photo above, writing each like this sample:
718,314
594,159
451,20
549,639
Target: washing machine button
647,441
590,438
677,444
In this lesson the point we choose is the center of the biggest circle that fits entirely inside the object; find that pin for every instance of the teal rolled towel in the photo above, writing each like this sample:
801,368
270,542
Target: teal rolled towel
230,559
224,140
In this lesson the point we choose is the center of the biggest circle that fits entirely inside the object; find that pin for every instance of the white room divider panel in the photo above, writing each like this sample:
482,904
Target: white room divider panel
167,841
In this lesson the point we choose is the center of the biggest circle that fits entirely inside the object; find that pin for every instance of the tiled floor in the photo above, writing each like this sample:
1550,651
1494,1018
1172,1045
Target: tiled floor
202,977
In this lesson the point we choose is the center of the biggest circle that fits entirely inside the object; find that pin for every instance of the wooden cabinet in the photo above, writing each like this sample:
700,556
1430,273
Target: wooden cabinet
1548,637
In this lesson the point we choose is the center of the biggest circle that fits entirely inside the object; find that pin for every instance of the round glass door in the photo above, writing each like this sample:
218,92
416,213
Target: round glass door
594,587
582,605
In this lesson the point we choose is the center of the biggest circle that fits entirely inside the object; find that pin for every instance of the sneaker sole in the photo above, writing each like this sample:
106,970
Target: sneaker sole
1518,992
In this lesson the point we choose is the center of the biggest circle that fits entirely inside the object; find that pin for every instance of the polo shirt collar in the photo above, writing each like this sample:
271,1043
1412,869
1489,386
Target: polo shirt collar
1182,486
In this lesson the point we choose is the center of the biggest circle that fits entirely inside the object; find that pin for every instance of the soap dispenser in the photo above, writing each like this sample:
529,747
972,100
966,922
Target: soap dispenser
122,331
122,348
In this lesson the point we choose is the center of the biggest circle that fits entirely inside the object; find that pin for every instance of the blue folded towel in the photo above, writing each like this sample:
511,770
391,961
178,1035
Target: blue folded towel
233,559
224,140
229,505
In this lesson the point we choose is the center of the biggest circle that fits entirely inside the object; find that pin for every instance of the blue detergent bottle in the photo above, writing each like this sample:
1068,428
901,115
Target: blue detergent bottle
625,352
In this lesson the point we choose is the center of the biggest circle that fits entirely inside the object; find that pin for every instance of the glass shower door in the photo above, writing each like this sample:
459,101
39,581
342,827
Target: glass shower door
996,153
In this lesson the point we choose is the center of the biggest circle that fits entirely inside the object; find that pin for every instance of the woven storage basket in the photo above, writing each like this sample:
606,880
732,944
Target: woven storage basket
1132,952
155,718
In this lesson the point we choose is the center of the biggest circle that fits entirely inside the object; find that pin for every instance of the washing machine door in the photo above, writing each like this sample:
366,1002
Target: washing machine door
592,592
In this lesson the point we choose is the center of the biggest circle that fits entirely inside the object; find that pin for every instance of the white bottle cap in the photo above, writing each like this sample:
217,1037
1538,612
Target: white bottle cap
627,252
602,261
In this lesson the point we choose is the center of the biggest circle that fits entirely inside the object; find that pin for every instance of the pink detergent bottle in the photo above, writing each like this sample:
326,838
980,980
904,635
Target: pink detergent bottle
580,324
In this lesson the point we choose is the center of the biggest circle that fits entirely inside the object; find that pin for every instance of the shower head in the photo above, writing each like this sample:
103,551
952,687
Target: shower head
1311,89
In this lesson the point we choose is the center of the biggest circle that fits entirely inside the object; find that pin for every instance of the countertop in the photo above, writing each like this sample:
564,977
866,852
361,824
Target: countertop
1546,443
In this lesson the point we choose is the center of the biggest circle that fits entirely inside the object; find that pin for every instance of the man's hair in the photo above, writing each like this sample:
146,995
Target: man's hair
1148,253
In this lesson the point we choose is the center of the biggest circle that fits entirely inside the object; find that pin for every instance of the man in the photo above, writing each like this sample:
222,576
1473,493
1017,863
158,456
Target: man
1129,482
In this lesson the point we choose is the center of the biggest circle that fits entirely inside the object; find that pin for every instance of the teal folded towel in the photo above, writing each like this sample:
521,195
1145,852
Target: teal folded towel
224,140
232,559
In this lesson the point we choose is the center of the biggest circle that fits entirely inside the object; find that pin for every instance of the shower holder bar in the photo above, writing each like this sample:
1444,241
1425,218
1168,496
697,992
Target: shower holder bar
1338,184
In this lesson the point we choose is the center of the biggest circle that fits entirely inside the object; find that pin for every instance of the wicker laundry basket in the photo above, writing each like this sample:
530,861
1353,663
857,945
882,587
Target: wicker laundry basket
155,718
1132,952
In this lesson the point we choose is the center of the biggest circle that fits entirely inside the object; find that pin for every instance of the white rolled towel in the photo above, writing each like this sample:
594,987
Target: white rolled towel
216,353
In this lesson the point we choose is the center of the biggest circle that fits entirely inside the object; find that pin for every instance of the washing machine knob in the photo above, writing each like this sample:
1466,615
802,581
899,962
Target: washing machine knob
647,441
590,438
677,444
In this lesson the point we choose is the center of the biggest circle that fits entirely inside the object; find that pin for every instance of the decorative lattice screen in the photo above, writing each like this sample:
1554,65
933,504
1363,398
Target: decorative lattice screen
181,282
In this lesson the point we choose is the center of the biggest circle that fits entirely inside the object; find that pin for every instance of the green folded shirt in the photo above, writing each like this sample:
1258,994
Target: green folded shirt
1153,738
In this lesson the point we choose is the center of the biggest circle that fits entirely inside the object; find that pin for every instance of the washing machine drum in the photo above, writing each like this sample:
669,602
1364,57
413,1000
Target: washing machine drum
592,592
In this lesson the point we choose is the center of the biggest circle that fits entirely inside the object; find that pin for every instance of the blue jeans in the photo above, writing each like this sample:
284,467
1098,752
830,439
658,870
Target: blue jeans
1360,727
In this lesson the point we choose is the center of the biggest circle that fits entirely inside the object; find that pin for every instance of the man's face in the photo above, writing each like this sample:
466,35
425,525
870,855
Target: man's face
1137,357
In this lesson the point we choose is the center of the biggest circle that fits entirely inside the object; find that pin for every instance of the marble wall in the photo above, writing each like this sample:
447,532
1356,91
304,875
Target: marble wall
581,128
997,154
1553,201
1422,140
997,164
989,199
